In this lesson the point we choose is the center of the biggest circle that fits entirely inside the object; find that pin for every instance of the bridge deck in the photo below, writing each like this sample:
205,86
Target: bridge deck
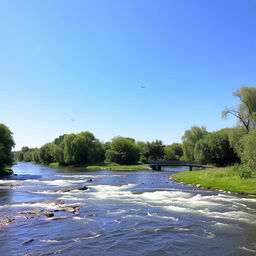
158,164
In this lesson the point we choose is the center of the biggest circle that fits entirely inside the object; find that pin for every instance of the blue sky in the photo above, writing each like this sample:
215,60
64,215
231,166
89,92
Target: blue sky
71,66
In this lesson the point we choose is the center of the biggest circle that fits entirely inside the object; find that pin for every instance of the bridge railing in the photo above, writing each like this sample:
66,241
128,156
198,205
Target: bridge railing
174,162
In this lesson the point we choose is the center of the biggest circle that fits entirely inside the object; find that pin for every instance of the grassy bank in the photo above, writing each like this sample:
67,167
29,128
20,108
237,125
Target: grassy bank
54,164
109,167
218,178
118,167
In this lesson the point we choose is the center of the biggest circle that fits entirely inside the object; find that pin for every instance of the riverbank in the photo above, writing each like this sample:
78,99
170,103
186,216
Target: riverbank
112,167
218,178
6,172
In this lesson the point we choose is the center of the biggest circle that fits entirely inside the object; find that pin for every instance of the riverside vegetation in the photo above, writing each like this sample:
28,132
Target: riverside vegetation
226,147
241,140
6,145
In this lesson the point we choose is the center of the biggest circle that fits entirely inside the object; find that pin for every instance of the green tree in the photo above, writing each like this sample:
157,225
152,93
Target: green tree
6,145
94,148
235,136
177,147
35,155
248,154
214,148
82,148
189,140
74,149
112,156
123,151
169,153
18,156
46,153
246,111
154,150
143,150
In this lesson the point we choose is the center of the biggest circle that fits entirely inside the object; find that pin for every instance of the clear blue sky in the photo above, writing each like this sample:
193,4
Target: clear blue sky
71,66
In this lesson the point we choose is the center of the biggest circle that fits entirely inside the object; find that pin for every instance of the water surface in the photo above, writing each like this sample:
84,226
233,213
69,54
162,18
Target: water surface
122,213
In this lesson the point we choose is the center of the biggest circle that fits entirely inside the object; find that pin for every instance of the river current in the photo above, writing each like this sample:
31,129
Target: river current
121,213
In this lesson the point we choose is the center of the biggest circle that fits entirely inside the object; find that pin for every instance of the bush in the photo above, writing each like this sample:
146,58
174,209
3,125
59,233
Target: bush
243,170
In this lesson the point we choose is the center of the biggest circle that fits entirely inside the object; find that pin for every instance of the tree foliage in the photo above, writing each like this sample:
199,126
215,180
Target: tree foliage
169,153
215,149
248,152
6,145
68,149
246,111
123,151
189,140
154,150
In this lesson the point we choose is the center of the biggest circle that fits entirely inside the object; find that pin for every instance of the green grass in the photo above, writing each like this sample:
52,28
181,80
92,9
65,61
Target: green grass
117,167
218,178
113,166
54,164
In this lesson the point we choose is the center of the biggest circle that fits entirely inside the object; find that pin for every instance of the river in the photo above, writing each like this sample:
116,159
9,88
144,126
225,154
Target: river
121,213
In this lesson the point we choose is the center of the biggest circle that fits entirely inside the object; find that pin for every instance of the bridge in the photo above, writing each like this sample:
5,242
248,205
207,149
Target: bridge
157,165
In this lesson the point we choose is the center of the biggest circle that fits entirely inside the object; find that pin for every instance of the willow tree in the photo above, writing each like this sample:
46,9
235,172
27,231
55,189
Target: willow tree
189,140
246,111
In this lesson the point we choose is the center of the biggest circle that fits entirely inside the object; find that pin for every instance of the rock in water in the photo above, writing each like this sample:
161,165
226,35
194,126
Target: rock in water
57,218
27,241
48,213
70,189
34,212
83,188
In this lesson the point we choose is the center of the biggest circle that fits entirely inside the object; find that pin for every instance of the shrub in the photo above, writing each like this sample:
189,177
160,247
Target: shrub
243,170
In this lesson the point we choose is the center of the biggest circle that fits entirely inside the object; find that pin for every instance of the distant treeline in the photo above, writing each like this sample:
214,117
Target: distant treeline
220,148
83,149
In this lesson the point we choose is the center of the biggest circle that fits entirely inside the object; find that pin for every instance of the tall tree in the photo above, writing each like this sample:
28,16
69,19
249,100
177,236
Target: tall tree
214,148
169,153
6,145
123,151
189,140
246,111
248,150
154,150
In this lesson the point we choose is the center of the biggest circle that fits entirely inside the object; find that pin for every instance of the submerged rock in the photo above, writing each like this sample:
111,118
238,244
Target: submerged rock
70,208
57,218
71,189
33,212
83,188
92,215
6,220
27,241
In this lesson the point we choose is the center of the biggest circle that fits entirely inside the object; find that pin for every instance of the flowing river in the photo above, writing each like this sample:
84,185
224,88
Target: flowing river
121,213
